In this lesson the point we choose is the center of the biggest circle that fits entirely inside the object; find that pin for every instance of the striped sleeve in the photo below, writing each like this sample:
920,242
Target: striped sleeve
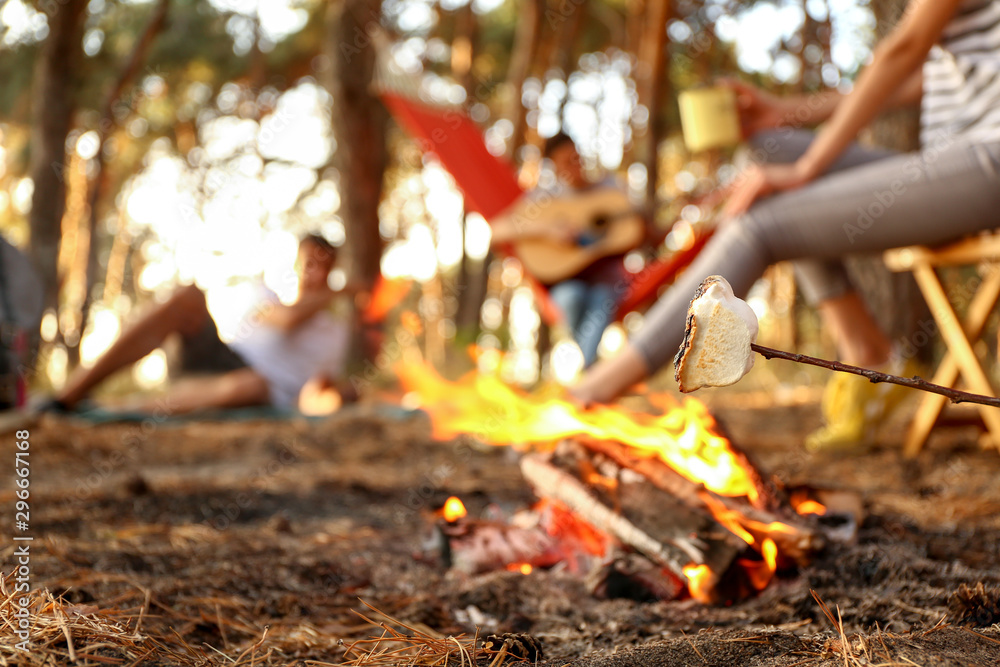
961,77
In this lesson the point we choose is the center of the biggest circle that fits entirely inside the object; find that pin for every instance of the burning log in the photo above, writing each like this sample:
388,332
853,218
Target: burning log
798,542
669,486
673,550
474,546
677,524
672,482
633,577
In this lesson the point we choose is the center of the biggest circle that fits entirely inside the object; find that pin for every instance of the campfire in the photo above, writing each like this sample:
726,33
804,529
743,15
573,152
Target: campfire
665,501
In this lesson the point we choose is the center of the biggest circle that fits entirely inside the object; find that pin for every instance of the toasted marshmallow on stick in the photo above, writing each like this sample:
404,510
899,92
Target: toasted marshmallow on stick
716,349
720,341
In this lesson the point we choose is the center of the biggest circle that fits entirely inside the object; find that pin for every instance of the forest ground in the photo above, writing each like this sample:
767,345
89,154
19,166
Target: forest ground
252,542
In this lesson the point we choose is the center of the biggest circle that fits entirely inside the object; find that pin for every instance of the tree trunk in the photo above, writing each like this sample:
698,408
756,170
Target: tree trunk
522,55
52,108
359,125
470,284
566,42
100,183
652,63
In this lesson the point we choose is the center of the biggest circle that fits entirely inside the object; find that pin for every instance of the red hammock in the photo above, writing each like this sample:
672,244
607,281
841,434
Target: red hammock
490,186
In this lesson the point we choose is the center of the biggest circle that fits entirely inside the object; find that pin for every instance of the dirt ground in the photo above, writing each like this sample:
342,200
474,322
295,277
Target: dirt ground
252,542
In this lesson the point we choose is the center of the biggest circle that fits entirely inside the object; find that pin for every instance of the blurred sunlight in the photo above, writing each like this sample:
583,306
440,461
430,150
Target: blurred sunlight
224,209
224,217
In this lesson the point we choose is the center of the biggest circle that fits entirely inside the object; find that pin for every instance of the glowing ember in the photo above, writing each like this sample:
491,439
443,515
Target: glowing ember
523,568
803,504
453,509
572,532
811,507
684,436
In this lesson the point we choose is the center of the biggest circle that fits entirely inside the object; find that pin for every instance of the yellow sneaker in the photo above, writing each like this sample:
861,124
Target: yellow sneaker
853,408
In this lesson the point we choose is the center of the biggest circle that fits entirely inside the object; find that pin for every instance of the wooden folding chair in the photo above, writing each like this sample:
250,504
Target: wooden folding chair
960,360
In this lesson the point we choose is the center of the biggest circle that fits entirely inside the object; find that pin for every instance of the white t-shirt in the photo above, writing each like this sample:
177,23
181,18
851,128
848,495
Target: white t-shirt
289,359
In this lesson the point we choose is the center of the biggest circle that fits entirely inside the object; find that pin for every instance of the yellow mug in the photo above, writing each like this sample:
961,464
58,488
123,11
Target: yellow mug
709,118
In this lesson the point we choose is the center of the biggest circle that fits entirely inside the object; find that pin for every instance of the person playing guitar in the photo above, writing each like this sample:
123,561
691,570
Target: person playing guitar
573,239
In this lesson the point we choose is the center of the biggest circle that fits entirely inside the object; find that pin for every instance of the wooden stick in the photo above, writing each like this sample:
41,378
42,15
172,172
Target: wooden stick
954,395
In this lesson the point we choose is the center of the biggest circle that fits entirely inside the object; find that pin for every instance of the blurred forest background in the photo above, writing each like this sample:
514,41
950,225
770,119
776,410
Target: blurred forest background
150,143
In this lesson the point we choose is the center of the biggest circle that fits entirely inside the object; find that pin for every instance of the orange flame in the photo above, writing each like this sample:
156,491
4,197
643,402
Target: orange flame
453,509
701,582
523,568
761,573
684,436
388,292
754,533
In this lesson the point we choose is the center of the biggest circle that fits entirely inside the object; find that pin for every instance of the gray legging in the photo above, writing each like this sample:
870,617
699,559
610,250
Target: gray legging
870,201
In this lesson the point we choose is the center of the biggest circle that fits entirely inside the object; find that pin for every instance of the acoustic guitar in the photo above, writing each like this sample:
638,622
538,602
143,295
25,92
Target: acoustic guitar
602,221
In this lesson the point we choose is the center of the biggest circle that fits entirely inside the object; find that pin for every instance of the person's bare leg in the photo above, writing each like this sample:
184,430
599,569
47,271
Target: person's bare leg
860,340
185,312
236,389
607,380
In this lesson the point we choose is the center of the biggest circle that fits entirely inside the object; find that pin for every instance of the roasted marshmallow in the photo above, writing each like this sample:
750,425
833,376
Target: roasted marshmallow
716,349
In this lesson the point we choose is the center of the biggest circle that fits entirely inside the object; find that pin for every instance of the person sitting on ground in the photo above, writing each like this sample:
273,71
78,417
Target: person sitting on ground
278,349
837,198
587,300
